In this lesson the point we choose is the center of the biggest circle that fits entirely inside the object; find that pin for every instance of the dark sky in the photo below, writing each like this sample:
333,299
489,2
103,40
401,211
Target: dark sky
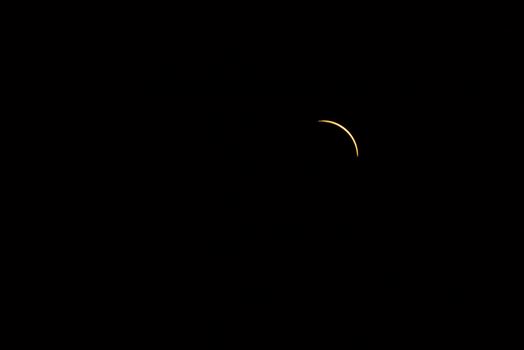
189,159
296,217
259,139
286,229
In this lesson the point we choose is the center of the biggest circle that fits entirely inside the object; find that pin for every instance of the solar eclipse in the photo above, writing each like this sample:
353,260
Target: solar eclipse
344,129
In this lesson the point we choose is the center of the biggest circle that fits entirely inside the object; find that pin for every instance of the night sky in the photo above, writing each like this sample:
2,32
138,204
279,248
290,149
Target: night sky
283,231
178,170
287,231
301,232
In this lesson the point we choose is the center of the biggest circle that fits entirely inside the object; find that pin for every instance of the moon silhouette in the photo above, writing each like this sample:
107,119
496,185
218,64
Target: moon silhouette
343,128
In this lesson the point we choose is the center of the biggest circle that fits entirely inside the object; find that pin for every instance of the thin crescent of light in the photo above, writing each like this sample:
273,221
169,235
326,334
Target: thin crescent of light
343,128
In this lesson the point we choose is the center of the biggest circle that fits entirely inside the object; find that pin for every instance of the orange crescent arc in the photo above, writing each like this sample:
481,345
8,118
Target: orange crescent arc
343,128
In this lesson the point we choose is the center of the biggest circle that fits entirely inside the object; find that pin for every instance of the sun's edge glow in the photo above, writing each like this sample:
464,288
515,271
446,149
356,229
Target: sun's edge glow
343,128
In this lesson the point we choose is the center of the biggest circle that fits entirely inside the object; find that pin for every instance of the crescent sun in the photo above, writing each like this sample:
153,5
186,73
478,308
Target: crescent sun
343,128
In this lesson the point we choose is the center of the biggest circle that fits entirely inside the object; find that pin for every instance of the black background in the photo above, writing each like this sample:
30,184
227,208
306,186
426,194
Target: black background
195,175
282,232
